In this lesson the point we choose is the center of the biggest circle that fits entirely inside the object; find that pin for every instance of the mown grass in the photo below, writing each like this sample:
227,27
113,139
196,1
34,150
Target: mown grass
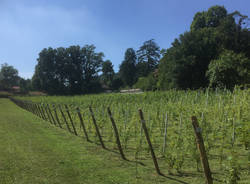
223,116
33,151
41,153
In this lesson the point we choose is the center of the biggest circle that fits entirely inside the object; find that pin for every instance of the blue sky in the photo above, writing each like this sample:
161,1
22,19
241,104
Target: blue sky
28,26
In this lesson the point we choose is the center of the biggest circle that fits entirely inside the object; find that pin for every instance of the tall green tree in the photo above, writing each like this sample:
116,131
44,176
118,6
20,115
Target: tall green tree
148,58
72,70
35,80
210,18
107,73
117,82
45,72
8,76
91,65
25,85
185,64
128,67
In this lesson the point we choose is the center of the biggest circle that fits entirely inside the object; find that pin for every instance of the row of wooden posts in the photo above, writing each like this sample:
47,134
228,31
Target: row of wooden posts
44,111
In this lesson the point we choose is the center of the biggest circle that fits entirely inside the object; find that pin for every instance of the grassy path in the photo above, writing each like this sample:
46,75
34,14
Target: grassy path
33,151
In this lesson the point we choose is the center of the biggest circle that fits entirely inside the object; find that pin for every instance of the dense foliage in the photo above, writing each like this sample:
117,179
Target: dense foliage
9,78
128,67
108,73
185,64
72,70
229,69
148,58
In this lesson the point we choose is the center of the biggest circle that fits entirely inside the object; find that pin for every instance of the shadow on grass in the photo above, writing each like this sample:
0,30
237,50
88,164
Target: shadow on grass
174,179
138,162
126,159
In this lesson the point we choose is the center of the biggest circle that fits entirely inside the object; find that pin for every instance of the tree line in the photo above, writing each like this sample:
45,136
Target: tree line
215,52
9,78
78,70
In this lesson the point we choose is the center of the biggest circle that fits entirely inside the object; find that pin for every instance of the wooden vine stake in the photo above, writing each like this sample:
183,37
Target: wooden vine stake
39,110
96,127
32,108
43,115
53,119
28,107
116,134
149,143
82,124
64,118
36,111
71,121
201,147
46,111
57,119
165,133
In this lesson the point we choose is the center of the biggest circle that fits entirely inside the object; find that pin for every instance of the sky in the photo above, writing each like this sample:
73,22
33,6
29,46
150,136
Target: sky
28,26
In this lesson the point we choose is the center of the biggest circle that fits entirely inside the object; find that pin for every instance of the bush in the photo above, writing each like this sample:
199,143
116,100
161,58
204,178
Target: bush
146,83
228,70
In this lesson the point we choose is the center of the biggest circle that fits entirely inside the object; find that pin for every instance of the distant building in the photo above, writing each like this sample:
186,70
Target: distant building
15,89
131,91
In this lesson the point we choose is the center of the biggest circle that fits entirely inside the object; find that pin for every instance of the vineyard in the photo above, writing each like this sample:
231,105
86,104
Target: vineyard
223,116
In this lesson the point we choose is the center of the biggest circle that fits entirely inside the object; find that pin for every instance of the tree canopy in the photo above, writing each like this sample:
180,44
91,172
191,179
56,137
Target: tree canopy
72,70
128,67
108,73
8,76
148,58
185,64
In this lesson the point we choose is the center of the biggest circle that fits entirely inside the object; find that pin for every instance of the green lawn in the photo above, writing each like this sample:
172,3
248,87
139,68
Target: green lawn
33,151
